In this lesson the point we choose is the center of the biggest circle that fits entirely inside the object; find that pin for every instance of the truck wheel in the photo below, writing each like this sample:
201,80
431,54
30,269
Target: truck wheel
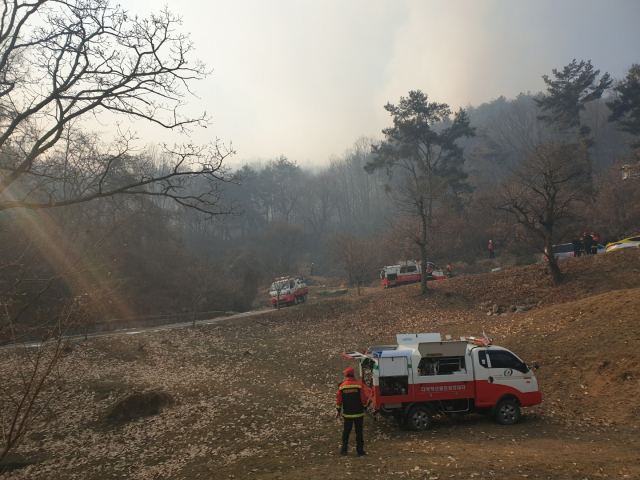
507,412
304,297
419,418
295,300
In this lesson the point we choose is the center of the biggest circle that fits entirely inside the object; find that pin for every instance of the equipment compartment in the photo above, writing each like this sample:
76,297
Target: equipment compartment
392,386
441,366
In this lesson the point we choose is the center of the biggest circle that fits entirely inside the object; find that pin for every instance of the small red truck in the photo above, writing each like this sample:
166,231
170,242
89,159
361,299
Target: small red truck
288,291
407,272
423,376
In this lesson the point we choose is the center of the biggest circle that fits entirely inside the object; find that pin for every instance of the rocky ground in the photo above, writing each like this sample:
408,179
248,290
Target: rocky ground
253,398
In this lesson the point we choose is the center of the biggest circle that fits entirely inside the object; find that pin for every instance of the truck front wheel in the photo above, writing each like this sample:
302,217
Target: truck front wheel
419,418
507,412
295,300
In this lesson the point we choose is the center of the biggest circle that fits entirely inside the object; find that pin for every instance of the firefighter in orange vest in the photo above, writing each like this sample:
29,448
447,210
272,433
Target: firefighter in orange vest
352,400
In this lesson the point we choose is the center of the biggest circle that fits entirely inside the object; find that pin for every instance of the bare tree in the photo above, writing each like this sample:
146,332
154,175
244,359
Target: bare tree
200,281
272,271
542,195
318,206
64,61
360,259
32,375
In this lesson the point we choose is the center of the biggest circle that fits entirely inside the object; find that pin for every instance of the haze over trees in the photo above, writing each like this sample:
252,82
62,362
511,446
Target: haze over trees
282,214
116,216
93,229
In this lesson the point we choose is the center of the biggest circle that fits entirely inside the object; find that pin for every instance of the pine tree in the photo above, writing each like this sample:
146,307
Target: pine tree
422,143
625,108
572,89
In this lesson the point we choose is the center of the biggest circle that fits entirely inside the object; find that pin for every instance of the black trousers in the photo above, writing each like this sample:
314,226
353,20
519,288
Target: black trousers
348,424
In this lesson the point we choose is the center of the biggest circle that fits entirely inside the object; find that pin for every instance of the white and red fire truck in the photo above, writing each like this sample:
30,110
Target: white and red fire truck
408,272
423,376
288,291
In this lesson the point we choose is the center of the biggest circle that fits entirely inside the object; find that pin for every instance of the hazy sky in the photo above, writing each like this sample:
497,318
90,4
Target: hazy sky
306,78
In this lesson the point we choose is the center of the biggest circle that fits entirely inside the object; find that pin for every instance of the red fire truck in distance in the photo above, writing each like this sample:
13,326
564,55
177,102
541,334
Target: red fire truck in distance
423,376
288,291
408,272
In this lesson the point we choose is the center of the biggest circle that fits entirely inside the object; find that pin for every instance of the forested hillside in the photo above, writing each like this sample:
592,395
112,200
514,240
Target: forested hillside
110,229
148,252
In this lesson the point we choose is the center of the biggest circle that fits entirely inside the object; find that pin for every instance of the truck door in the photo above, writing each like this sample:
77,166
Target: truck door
481,374
509,371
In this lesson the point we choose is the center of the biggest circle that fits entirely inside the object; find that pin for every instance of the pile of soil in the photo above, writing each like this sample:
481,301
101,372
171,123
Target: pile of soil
139,405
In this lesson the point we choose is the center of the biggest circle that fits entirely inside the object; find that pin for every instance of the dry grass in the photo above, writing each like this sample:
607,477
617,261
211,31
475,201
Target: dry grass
254,397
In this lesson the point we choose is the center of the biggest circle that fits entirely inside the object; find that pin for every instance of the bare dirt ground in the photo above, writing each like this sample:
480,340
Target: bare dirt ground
255,396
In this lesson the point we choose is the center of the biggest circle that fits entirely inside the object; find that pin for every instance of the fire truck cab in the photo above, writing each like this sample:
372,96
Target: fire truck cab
423,376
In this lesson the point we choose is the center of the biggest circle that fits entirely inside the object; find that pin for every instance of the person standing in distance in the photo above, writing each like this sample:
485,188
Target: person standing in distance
491,254
352,400
575,244
588,241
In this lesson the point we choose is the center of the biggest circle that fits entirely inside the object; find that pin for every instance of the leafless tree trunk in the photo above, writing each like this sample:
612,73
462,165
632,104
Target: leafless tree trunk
359,259
199,281
542,195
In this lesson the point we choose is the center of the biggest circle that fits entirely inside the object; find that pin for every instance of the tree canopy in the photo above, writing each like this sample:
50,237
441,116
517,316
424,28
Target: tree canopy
625,107
573,87
66,61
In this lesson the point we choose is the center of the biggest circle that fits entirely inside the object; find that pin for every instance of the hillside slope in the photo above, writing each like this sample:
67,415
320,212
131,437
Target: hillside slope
254,397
